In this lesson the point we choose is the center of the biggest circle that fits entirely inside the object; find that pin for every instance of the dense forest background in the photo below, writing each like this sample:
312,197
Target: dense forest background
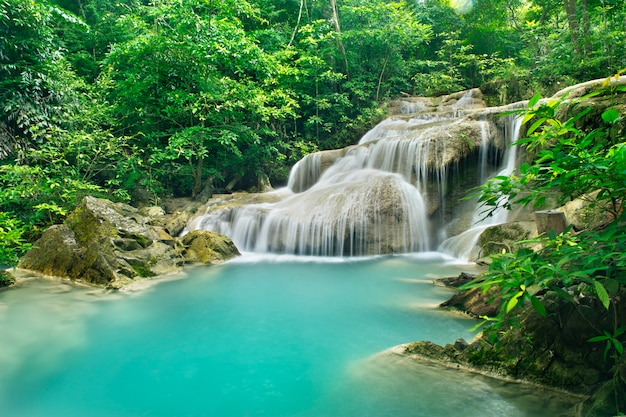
137,100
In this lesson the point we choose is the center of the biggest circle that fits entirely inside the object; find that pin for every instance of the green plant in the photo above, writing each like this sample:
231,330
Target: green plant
612,342
12,241
571,160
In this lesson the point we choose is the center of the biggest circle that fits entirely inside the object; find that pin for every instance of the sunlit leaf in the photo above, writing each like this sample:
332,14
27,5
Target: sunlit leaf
534,100
610,116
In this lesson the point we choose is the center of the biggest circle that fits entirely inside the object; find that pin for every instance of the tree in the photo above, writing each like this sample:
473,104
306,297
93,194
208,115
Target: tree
195,90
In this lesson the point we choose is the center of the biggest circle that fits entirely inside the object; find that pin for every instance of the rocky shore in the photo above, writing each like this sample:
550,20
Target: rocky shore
551,351
110,244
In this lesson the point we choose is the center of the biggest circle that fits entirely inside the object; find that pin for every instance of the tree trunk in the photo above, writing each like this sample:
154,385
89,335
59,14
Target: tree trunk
342,49
572,21
584,11
295,29
197,178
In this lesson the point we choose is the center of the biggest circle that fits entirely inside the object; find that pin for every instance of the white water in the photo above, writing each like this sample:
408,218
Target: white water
464,244
387,194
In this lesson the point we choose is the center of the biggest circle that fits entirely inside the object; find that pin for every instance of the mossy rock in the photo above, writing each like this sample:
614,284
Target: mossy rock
505,237
109,244
610,398
206,247
6,279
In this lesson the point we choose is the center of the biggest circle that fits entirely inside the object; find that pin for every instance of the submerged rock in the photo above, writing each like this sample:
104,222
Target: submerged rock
110,244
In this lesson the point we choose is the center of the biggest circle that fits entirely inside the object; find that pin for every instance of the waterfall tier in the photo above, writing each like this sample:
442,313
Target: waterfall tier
396,191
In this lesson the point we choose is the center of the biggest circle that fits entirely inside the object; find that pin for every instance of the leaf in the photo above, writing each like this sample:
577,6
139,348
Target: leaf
527,117
562,293
602,294
618,346
536,125
534,100
538,306
510,305
599,338
610,116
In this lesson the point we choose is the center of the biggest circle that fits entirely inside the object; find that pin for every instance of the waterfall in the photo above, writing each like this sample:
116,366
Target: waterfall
393,192
463,244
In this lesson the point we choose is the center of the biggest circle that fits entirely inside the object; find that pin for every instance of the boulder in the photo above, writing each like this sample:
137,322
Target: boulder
6,279
109,244
506,236
583,213
207,247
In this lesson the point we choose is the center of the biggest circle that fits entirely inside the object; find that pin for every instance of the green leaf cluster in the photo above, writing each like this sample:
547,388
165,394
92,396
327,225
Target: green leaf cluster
571,155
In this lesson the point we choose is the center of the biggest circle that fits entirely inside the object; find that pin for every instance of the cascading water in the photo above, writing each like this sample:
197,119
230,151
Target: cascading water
393,192
463,244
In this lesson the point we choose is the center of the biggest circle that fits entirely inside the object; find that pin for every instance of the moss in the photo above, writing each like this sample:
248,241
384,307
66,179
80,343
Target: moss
502,237
143,271
6,279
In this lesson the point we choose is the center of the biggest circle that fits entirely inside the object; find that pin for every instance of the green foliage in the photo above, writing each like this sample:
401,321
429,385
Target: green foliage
14,244
612,342
569,159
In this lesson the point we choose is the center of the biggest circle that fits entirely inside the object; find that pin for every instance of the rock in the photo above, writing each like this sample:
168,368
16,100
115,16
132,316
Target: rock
59,253
152,212
582,213
110,244
474,302
178,217
6,279
610,398
208,247
461,279
505,236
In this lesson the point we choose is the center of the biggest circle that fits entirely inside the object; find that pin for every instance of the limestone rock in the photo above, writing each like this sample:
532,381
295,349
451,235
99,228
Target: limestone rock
505,236
582,213
208,247
59,253
108,244
461,279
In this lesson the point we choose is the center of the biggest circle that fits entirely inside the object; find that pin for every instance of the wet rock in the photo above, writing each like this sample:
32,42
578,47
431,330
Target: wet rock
461,279
474,302
110,244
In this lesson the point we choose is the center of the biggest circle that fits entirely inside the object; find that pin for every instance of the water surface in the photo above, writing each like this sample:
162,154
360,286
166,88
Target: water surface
255,337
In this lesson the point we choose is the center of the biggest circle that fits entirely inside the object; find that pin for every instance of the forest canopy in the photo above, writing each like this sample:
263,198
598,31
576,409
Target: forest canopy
136,100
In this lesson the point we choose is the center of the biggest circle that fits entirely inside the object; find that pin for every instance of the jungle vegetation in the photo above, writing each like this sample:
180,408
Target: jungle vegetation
136,100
